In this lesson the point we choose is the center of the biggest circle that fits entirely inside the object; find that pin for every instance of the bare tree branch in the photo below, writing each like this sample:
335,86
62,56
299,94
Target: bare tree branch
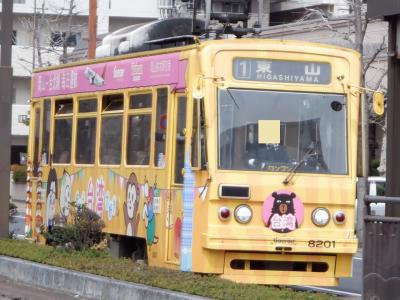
381,48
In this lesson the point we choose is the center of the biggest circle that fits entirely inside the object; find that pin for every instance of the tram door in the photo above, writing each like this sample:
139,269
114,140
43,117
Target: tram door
175,203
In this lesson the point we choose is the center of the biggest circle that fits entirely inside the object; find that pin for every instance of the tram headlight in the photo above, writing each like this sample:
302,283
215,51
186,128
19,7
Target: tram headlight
243,214
320,216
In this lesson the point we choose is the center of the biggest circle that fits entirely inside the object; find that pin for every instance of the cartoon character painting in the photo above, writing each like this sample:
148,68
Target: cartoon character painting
51,197
65,195
131,205
148,216
283,211
178,237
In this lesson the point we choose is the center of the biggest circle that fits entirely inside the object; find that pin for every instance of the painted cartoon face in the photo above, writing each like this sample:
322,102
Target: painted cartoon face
51,196
283,204
132,196
283,211
65,196
131,199
51,201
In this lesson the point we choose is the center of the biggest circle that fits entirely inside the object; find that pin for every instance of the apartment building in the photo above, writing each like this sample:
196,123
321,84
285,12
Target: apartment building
52,19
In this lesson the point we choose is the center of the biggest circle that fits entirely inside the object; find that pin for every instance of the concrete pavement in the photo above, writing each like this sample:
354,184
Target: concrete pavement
12,290
82,284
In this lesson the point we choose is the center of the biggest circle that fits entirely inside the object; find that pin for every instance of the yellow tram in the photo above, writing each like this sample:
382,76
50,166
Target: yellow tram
233,157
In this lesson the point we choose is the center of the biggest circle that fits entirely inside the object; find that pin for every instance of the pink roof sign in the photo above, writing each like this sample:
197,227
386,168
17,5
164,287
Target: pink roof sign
164,69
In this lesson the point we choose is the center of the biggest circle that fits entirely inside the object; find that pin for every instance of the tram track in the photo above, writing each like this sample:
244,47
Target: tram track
331,291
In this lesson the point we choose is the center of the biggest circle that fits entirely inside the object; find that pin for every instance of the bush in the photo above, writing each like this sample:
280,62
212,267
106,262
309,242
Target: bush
84,232
373,167
19,173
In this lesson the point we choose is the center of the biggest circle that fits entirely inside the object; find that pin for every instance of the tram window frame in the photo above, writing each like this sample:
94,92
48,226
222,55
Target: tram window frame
111,109
160,138
88,112
63,113
132,112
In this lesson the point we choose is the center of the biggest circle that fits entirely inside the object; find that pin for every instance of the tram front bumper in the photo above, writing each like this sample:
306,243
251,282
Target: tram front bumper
279,244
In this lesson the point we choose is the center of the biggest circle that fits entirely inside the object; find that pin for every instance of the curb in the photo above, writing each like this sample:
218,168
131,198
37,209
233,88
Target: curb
82,284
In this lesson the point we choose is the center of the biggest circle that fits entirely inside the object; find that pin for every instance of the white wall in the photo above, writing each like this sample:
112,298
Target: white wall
18,128
22,88
341,7
134,8
120,8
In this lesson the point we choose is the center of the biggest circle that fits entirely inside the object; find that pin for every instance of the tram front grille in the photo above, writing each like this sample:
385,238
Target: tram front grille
273,265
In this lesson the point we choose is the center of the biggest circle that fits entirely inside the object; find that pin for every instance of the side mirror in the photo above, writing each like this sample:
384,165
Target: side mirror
378,103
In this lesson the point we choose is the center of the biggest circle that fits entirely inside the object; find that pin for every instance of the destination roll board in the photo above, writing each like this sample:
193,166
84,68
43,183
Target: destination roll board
268,70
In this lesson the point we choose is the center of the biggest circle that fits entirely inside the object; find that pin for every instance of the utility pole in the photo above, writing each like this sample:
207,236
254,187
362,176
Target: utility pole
92,28
5,112
363,164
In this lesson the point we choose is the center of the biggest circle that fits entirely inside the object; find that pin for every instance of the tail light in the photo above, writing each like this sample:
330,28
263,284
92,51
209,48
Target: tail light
224,213
339,217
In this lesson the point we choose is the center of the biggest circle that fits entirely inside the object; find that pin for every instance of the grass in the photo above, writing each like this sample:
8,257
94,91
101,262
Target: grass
101,263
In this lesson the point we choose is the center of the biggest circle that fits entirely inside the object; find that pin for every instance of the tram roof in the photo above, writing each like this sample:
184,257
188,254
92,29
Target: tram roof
242,44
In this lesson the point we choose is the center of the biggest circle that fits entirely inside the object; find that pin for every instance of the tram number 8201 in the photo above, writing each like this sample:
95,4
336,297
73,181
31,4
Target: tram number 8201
321,244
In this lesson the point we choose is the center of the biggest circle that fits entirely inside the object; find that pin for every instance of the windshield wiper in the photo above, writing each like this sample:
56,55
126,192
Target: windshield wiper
233,98
293,171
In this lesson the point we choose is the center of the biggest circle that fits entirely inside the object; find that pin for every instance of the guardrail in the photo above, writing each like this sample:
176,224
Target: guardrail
381,255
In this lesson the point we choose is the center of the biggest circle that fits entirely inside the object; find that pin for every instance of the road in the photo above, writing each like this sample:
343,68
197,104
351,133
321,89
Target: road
17,226
349,287
11,290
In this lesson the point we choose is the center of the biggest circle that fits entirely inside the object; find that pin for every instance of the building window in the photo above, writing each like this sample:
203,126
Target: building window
57,39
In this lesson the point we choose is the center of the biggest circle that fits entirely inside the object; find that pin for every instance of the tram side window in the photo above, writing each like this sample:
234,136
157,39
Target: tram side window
37,140
180,139
161,128
195,134
86,132
139,101
46,131
111,129
139,129
63,131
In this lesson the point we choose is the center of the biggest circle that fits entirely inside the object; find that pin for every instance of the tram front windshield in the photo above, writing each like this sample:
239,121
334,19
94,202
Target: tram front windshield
281,131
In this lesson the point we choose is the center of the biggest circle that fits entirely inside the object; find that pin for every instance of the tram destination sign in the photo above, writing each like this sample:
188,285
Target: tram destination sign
284,71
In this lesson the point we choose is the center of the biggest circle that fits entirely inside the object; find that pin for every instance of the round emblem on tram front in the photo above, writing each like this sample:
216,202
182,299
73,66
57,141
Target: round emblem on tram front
283,211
